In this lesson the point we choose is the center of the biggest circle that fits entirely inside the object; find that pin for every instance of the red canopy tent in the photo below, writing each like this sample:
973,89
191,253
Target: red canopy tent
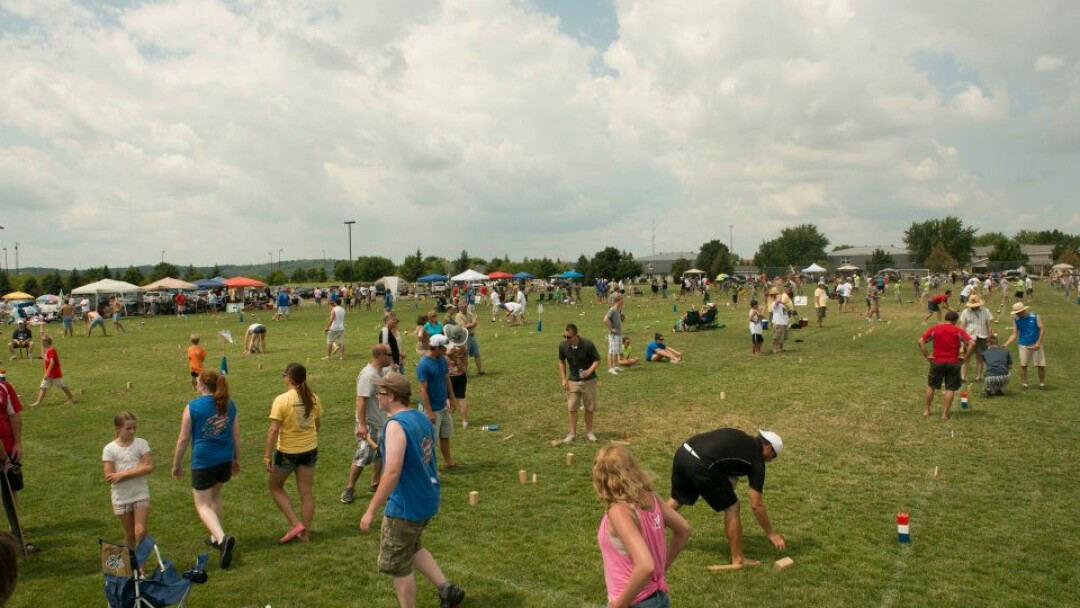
498,274
243,282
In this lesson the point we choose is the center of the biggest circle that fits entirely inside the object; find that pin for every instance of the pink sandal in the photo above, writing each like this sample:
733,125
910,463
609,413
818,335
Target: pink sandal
297,530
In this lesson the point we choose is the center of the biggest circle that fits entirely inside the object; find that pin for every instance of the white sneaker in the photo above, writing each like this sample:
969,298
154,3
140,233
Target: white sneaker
464,424
613,371
590,437
569,438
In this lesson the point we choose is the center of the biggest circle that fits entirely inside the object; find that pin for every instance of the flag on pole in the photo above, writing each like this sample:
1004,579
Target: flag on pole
540,325
224,366
226,335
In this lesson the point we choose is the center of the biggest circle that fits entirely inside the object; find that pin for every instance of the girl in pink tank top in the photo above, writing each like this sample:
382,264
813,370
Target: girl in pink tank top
632,538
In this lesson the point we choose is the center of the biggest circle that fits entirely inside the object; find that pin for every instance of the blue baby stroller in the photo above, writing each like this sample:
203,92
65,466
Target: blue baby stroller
132,581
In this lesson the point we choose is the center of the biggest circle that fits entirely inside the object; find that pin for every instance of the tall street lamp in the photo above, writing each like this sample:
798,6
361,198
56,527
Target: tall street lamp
349,224
16,259
279,259
162,256
271,254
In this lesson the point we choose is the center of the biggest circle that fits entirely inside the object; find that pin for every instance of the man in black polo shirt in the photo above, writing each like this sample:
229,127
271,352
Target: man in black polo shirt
389,335
578,360
21,338
709,465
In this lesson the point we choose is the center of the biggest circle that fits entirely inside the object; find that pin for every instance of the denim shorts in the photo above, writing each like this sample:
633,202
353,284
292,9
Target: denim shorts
289,462
656,600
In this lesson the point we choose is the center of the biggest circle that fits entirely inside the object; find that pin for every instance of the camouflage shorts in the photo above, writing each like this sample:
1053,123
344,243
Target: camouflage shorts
399,540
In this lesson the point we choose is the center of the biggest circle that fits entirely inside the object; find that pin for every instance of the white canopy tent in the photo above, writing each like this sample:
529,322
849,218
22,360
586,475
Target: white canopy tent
813,269
169,283
848,268
105,286
391,284
469,276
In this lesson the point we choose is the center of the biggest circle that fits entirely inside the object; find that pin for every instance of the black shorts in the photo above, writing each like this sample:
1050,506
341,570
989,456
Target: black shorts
194,374
944,373
757,338
459,384
289,462
932,307
690,478
14,475
204,479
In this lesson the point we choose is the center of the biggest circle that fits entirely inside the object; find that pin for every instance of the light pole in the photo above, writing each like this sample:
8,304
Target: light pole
162,256
324,260
731,239
349,224
16,259
271,254
279,259
6,267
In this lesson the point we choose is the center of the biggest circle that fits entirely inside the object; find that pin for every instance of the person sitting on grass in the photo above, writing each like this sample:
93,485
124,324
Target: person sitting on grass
625,360
657,351
998,360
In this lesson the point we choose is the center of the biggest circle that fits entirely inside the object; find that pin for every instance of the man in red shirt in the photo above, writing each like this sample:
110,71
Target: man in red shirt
935,304
945,362
11,438
53,375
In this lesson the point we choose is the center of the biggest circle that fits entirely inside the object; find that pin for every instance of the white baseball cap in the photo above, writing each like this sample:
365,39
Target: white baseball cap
439,340
773,439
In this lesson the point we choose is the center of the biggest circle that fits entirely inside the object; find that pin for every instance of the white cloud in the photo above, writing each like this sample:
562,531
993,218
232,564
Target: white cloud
181,121
1048,63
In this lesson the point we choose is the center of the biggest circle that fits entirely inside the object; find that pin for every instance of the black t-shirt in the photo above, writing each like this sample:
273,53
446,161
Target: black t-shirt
732,452
21,335
387,337
580,358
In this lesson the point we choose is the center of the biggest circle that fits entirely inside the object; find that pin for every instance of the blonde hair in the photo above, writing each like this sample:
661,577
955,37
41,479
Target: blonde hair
618,477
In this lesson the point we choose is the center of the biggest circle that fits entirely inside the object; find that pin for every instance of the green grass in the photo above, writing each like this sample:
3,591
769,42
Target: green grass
996,527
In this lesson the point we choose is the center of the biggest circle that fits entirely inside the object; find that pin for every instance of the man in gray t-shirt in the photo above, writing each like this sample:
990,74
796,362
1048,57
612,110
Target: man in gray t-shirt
370,420
613,320
998,361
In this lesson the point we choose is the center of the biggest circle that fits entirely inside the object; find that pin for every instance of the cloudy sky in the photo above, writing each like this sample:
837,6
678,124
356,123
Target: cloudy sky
219,131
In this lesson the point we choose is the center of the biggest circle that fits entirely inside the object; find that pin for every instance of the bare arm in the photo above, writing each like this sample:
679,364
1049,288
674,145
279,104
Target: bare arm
757,505
394,443
626,528
680,532
182,441
271,444
16,431
922,348
361,416
1042,334
236,446
563,380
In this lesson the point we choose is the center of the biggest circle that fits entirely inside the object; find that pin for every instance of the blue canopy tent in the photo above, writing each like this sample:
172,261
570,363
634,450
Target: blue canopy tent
523,275
209,283
572,274
433,278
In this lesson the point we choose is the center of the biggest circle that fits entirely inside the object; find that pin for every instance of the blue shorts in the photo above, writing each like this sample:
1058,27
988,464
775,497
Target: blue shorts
96,322
472,346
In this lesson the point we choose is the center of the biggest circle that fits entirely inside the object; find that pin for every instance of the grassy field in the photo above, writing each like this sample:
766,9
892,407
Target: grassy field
996,527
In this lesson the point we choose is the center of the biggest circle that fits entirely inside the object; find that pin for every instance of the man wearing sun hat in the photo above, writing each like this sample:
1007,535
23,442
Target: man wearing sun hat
709,465
1029,333
975,320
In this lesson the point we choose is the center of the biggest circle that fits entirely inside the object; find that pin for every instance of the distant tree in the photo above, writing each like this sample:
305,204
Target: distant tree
276,278
372,267
797,247
879,259
74,279
412,267
94,274
320,275
344,271
605,263
495,263
133,275
769,255
162,270
922,238
433,264
584,266
462,263
628,268
192,274
541,267
1069,256
30,286
53,283
1007,254
215,271
987,239
940,260
105,272
714,257
299,276
5,282
844,246
679,266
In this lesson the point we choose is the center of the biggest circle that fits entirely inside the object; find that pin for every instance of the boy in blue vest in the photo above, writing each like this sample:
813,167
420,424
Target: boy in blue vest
410,489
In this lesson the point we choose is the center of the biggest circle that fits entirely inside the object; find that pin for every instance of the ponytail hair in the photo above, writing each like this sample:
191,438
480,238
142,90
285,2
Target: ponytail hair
219,388
297,375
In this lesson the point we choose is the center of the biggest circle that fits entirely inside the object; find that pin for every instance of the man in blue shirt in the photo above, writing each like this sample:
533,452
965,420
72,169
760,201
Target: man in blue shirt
1028,331
434,375
410,489
282,313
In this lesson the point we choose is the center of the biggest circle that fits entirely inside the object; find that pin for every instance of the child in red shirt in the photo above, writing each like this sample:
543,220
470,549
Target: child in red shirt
53,375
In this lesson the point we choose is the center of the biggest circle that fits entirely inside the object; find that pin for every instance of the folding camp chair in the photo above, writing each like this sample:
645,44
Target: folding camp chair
130,582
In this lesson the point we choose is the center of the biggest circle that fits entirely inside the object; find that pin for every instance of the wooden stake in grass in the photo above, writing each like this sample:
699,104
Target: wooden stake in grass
729,567
555,443
474,497
934,475
128,386
723,395
521,476
782,563
534,479
508,437
569,459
